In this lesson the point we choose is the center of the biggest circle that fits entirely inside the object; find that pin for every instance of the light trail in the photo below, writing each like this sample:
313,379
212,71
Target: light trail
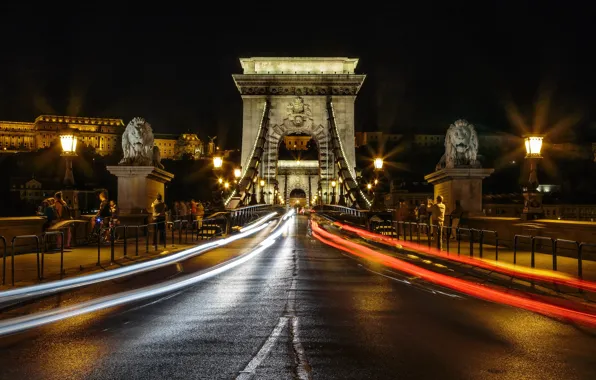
14,325
62,285
538,275
478,291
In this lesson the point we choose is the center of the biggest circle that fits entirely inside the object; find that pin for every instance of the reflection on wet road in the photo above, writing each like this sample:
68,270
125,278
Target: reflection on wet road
303,310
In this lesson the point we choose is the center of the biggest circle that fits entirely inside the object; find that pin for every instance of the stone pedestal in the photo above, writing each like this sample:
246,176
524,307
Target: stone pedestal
463,184
137,188
532,206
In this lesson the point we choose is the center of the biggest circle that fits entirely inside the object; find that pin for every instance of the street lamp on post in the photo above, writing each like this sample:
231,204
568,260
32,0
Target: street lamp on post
218,194
237,175
378,201
532,197
68,140
262,199
342,200
333,184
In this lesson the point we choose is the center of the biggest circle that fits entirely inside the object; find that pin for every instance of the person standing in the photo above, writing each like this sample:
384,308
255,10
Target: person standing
159,217
437,212
456,216
63,213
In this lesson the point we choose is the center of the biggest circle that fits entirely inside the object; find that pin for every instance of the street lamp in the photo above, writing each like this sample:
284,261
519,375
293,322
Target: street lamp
378,201
237,175
68,140
262,183
217,162
532,197
218,200
378,163
333,184
342,200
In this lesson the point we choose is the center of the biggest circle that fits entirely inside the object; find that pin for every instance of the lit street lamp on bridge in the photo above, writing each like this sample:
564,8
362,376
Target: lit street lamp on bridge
68,140
262,198
532,197
378,201
333,184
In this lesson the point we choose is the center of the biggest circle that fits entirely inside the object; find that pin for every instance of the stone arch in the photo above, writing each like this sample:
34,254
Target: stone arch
297,193
320,135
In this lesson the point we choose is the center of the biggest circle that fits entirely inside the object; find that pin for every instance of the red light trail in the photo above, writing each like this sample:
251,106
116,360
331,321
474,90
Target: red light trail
572,282
462,286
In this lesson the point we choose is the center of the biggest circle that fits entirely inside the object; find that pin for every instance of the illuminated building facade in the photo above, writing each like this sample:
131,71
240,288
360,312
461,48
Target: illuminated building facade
103,134
297,142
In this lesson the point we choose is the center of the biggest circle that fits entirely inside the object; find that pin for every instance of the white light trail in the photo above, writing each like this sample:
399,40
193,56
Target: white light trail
58,286
14,325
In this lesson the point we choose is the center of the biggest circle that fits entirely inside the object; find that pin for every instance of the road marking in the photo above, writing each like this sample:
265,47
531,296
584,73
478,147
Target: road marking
302,366
420,287
248,371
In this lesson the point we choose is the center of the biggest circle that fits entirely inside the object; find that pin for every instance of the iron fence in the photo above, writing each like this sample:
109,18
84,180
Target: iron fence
479,242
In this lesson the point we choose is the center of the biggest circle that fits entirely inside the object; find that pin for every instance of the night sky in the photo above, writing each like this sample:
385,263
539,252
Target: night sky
426,65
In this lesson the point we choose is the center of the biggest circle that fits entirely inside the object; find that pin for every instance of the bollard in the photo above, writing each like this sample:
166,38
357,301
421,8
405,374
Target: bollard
112,247
3,259
137,241
125,243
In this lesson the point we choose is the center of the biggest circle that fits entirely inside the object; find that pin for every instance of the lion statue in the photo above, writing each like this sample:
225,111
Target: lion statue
157,158
137,143
461,146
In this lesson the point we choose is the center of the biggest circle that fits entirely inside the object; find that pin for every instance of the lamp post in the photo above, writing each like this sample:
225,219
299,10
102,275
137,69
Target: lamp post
378,201
532,197
217,195
333,184
253,195
342,200
68,140
237,175
262,199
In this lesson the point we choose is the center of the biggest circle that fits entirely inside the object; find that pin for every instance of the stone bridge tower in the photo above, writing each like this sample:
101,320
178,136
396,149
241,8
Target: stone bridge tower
300,96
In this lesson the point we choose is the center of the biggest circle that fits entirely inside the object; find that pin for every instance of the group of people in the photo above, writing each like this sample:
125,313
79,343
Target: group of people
55,210
181,210
433,213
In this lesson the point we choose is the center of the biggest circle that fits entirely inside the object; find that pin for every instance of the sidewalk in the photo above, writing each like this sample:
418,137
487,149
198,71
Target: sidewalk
83,260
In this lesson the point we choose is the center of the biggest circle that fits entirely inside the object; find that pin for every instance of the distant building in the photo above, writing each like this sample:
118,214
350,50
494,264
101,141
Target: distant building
297,142
103,134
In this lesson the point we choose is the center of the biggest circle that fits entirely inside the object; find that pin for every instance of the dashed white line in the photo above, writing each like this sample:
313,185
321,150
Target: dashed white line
248,371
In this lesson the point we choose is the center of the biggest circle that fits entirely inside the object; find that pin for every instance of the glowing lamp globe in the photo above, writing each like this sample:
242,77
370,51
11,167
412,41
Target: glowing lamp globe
217,162
333,183
533,146
69,144
237,173
378,163
262,182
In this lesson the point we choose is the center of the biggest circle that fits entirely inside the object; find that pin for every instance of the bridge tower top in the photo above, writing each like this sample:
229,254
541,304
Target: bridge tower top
299,65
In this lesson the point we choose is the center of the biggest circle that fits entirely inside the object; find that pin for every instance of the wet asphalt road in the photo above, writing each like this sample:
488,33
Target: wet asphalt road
303,310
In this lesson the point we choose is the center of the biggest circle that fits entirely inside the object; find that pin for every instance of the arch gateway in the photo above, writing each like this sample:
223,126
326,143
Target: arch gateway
312,96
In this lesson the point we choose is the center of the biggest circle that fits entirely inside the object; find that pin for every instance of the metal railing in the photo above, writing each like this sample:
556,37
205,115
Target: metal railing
341,209
43,254
187,231
12,251
476,241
